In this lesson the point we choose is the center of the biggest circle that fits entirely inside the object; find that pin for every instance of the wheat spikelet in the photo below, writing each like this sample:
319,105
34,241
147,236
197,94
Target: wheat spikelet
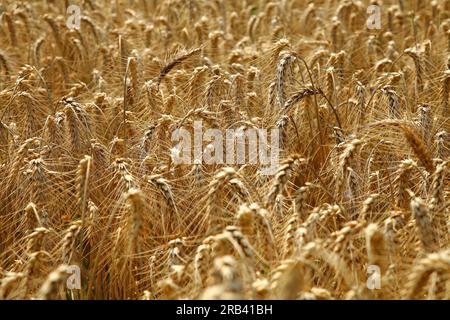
376,249
317,294
36,239
287,280
434,262
445,94
415,141
69,241
341,237
424,225
417,58
239,242
425,122
344,161
8,282
282,176
164,187
437,201
175,62
402,181
215,187
137,206
31,211
394,102
55,31
83,174
201,261
368,208
290,236
50,289
11,28
31,268
254,223
440,144
227,281
285,62
298,96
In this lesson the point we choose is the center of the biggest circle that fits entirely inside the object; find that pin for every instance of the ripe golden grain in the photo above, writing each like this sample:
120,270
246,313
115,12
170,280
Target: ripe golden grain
86,118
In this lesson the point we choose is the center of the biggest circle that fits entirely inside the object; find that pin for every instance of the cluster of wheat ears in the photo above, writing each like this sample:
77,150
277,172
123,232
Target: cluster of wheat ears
87,177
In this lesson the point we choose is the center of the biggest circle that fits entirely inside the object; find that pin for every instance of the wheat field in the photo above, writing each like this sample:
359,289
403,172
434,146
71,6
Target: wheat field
358,207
